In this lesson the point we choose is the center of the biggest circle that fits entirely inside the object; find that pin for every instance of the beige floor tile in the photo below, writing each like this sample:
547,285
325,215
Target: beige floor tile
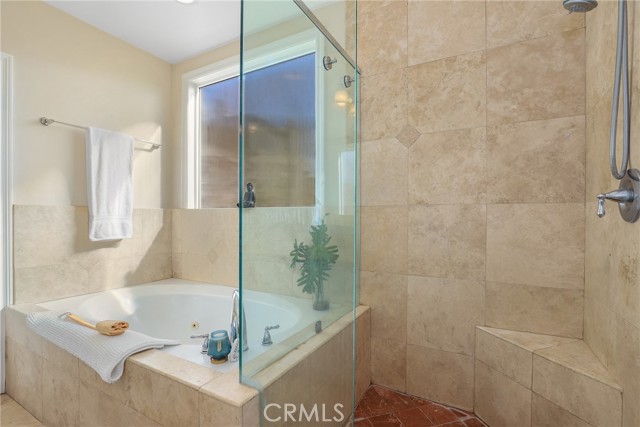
14,415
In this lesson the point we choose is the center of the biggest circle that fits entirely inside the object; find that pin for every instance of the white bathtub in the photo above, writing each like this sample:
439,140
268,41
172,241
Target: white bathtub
177,309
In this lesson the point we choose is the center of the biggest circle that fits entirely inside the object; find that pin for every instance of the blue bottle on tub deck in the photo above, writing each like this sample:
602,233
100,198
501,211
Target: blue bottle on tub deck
219,346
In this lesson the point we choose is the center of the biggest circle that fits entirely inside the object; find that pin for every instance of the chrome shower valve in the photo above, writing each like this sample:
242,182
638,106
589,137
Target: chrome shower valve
627,196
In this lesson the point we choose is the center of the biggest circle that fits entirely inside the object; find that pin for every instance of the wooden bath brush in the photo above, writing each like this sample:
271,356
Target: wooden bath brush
105,327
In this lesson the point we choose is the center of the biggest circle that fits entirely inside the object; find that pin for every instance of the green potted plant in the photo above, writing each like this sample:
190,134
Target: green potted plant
316,261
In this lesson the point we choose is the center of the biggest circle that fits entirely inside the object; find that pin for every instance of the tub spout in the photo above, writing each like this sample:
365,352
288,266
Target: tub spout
235,321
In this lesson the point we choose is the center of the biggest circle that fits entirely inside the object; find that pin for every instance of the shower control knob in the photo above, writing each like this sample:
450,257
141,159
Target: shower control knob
626,196
601,200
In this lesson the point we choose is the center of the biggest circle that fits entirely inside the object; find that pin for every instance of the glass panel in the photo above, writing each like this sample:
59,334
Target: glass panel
298,260
280,139
219,108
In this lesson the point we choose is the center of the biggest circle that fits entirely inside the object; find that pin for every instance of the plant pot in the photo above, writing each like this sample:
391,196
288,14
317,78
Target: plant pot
320,301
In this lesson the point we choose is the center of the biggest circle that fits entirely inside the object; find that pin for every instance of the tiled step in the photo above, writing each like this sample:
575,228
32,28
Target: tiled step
525,379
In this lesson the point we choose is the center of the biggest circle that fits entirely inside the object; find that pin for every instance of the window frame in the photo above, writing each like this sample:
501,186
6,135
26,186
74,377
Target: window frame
285,49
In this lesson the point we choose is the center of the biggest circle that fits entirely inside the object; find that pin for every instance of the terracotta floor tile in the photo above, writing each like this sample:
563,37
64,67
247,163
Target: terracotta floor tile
396,401
461,413
413,418
474,422
374,403
453,424
386,420
361,410
364,422
439,414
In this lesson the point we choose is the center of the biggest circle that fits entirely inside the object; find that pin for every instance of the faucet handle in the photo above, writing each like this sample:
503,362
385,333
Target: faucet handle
205,344
601,199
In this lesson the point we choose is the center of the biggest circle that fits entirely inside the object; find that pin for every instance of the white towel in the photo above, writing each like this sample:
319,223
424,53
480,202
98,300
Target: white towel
109,184
106,355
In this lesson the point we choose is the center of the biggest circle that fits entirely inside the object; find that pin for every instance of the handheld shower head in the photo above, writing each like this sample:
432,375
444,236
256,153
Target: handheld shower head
579,5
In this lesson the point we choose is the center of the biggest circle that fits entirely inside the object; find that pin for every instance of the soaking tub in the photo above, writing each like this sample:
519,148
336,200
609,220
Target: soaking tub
177,309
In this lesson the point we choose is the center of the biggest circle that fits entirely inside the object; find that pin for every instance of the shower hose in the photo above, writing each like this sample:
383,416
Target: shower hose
622,71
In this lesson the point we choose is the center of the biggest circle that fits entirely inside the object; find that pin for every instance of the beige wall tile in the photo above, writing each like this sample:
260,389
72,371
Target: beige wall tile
536,162
596,403
382,38
601,34
383,239
19,331
547,414
500,401
598,322
441,29
624,270
448,94
441,376
515,21
383,171
598,178
626,368
534,309
214,413
97,409
443,313
511,360
384,105
161,399
578,356
541,245
447,241
548,81
24,377
389,364
448,167
363,353
49,282
386,294
60,394
156,231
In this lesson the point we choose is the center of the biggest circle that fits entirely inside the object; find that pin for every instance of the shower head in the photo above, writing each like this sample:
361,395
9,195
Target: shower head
579,5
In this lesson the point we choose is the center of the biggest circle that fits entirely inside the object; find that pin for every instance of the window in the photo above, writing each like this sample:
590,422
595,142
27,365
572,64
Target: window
281,95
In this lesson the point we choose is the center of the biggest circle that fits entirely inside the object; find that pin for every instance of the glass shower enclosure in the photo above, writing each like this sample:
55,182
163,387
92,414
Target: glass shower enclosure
298,189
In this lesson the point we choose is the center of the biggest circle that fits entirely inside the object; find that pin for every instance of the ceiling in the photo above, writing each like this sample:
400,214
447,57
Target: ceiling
174,31
167,29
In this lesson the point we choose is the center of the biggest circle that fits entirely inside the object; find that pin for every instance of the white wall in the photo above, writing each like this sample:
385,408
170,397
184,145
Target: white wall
70,71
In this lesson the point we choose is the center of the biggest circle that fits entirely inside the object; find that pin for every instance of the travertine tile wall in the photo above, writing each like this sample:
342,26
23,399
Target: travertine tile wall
473,130
54,258
612,285
205,248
